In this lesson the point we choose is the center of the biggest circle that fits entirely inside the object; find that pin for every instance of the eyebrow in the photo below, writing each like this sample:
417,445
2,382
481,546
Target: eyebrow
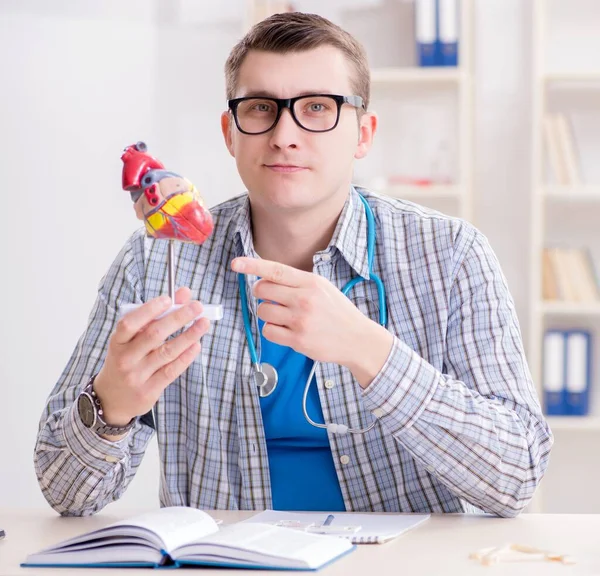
267,94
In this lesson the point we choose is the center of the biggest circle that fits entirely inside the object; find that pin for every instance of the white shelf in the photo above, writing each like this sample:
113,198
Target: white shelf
573,423
572,193
406,192
572,77
417,75
570,308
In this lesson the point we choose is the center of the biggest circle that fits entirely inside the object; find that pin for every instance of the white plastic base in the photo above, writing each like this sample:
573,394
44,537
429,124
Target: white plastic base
211,311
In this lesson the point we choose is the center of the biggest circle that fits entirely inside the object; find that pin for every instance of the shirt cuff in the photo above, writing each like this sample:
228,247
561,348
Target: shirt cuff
404,386
88,447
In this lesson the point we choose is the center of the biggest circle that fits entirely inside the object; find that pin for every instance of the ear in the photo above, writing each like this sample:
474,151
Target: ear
367,127
227,129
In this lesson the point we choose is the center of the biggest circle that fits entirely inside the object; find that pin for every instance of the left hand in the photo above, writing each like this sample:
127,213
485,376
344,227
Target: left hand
308,313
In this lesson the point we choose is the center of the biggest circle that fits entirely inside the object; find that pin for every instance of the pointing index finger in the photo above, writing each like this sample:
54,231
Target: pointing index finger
269,270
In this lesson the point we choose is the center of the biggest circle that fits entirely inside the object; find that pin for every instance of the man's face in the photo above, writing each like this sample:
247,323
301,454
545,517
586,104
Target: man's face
289,168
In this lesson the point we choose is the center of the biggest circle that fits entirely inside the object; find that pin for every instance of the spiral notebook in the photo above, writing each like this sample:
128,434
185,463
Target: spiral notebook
359,528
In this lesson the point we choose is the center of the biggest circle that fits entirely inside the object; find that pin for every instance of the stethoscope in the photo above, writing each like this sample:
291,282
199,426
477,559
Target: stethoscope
265,375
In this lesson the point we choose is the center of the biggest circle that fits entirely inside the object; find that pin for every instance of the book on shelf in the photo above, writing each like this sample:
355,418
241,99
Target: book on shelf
179,536
567,372
562,154
568,275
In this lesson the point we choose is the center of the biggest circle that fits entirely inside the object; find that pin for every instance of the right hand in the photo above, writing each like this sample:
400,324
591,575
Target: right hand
139,364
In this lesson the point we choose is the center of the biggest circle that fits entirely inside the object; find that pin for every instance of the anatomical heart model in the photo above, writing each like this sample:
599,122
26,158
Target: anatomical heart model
170,206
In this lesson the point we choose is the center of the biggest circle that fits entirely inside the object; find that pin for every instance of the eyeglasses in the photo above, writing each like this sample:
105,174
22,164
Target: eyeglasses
314,112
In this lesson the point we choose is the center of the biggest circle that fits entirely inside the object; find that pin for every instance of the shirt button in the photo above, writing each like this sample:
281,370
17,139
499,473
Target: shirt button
111,459
326,257
345,459
378,412
329,384
430,469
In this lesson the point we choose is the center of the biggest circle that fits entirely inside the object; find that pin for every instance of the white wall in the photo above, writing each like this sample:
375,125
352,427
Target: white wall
83,79
78,85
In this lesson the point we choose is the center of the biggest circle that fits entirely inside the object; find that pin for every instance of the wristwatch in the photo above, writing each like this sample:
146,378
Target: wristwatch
91,414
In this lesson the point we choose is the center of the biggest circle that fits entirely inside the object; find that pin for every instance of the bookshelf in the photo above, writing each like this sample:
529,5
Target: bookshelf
571,194
446,90
563,213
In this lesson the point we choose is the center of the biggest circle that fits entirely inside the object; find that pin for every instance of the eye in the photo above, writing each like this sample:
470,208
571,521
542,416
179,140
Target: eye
316,107
262,107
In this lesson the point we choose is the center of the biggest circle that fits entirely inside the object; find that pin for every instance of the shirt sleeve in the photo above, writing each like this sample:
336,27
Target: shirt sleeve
80,472
478,427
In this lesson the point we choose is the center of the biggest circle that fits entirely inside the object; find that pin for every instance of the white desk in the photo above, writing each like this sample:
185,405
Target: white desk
441,546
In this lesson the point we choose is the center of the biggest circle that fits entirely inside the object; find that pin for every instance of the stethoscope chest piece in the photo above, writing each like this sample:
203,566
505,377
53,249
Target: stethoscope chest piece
265,378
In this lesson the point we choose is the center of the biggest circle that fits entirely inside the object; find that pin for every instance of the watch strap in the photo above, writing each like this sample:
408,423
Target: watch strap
101,426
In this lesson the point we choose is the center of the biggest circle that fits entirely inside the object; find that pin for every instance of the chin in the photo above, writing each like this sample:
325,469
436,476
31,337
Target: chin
283,193
287,199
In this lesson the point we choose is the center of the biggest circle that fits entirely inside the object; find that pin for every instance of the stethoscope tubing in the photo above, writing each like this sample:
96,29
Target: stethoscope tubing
331,426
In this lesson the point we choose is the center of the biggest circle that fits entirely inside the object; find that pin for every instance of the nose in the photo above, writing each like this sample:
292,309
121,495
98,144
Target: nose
286,132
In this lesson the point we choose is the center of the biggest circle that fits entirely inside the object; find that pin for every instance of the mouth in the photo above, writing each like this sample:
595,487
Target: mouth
285,168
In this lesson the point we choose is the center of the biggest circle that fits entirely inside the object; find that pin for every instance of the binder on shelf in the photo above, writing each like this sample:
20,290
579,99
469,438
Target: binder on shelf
447,32
578,373
426,32
554,372
567,372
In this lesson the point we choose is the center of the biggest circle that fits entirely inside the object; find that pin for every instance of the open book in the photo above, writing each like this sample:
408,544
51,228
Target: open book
179,536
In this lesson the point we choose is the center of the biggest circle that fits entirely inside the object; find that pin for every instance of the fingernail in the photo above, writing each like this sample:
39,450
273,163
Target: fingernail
238,265
164,300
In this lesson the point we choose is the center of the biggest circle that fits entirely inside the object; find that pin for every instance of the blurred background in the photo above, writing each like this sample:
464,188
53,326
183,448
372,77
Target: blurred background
489,110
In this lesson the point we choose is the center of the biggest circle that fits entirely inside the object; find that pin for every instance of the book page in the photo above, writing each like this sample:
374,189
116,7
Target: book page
175,525
263,544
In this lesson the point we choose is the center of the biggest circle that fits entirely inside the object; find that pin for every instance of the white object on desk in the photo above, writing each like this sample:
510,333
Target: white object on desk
518,553
373,528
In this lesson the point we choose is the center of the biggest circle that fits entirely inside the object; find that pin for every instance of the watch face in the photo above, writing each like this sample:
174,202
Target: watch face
87,413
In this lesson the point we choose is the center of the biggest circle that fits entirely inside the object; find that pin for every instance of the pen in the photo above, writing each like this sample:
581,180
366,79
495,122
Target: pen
328,520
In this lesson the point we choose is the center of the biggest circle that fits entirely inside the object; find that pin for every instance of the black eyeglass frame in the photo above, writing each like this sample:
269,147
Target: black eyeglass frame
289,103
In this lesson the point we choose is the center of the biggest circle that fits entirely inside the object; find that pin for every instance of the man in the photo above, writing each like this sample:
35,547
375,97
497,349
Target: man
442,394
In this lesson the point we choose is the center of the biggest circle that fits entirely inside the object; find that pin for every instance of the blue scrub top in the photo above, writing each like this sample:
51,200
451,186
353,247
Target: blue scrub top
303,475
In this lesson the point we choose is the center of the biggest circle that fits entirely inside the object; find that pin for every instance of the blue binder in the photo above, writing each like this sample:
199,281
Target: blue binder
426,32
567,372
436,31
578,372
554,372
447,37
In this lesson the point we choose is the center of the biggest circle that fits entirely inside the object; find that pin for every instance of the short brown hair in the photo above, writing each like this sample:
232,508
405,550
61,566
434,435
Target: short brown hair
296,32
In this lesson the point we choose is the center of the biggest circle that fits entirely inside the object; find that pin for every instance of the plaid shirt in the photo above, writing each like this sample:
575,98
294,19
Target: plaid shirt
459,427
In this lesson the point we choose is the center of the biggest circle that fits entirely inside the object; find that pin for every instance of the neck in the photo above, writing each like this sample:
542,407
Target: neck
294,237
